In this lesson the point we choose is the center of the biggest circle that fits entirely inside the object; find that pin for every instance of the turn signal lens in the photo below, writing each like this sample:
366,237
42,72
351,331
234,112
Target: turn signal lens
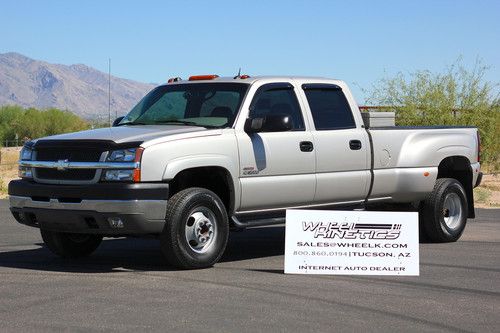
136,177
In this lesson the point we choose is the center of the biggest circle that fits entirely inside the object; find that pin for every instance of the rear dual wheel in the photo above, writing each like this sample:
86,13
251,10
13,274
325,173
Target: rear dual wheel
443,214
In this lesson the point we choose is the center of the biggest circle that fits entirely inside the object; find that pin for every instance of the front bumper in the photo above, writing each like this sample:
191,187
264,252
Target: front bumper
87,208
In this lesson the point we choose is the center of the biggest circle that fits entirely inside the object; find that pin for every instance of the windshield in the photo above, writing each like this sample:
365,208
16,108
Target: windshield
197,104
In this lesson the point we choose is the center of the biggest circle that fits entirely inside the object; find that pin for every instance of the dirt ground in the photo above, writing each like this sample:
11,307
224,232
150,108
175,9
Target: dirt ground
485,196
488,194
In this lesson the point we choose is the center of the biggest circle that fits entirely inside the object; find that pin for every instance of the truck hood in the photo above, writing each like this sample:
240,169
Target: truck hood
124,134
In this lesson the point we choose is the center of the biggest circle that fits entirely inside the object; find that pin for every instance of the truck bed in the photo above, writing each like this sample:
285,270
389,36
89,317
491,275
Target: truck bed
406,158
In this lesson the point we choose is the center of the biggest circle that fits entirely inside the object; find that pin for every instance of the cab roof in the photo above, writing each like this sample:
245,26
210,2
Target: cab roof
253,79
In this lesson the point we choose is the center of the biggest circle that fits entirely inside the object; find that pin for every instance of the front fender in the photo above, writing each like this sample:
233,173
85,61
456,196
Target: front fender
208,160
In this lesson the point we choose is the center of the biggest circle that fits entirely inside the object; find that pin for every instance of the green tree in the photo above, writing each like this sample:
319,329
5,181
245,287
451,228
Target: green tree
31,123
458,96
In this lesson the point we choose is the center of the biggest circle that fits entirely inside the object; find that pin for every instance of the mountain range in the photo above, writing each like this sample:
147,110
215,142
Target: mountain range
78,88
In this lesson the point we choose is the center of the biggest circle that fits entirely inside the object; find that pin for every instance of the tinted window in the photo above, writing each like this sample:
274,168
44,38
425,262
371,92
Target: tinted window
329,108
278,101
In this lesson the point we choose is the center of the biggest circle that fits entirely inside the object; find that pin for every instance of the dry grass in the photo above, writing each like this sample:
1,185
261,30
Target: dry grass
488,194
485,196
8,168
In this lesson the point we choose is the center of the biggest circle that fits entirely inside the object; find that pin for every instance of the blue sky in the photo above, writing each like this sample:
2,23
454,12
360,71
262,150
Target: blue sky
357,41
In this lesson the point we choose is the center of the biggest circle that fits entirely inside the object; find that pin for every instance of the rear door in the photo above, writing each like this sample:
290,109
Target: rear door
342,148
276,168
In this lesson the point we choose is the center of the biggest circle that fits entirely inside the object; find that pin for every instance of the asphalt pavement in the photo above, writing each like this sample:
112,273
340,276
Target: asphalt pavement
126,286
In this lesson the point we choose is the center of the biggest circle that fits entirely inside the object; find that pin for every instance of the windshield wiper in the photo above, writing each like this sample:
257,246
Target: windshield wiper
185,122
131,123
175,121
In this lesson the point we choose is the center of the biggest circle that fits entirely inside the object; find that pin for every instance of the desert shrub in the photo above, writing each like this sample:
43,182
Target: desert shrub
458,96
17,123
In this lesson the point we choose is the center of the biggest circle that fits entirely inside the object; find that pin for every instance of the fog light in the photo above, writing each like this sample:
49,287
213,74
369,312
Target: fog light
115,222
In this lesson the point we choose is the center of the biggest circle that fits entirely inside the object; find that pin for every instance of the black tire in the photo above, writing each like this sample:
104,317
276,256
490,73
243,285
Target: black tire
443,214
69,245
182,209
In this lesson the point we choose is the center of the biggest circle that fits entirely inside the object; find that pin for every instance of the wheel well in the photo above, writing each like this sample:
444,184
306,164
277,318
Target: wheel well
215,179
458,167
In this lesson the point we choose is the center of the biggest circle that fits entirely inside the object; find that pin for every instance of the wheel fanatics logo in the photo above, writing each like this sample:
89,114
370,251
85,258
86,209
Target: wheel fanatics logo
346,230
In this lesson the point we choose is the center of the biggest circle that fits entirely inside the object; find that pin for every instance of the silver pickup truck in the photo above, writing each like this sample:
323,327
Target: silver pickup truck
197,158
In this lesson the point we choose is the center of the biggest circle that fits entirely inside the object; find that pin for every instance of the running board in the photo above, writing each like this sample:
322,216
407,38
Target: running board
256,223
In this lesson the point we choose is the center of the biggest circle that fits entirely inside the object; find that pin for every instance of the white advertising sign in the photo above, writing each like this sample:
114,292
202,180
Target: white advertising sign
351,242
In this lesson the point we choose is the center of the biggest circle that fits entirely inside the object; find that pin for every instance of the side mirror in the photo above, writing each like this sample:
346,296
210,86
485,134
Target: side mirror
269,123
117,121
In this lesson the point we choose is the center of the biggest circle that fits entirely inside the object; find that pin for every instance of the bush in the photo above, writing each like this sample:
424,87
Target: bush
17,123
458,96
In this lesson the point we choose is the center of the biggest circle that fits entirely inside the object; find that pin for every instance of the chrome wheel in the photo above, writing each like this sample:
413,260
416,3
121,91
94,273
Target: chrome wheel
452,210
201,229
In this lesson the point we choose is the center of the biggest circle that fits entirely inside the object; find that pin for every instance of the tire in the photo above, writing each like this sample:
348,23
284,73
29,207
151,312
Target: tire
443,214
69,245
196,229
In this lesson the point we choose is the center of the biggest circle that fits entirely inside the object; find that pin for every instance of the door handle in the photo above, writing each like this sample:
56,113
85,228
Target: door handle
306,146
355,144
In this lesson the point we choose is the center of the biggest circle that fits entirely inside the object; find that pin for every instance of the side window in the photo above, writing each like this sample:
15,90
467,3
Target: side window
278,101
329,107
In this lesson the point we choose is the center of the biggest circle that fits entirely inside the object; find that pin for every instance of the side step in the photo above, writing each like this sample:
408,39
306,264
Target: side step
238,224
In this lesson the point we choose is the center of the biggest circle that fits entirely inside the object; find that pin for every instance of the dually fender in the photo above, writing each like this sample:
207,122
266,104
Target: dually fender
429,149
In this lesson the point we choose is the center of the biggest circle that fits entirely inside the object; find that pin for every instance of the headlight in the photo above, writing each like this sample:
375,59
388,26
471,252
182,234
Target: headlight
118,175
25,172
122,155
25,154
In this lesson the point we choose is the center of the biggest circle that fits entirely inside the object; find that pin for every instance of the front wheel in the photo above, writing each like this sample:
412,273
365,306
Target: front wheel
196,229
444,213
68,245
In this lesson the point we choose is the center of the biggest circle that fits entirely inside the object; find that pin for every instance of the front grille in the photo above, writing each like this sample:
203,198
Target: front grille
72,155
71,174
77,153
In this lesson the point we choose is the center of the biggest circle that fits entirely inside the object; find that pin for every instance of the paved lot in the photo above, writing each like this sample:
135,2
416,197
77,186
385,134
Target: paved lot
126,286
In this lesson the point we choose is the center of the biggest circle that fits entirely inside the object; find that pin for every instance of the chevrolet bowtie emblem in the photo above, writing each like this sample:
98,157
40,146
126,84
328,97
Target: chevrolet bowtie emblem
62,164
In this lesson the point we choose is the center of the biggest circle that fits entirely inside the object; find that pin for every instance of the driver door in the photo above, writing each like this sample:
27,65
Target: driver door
277,169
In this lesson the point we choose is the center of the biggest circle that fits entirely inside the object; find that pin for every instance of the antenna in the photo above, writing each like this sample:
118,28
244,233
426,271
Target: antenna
238,75
109,91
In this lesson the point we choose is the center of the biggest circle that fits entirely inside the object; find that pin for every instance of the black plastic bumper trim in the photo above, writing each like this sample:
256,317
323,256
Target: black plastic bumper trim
88,222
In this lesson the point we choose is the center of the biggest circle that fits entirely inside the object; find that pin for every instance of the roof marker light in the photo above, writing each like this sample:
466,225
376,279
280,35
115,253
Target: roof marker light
174,79
244,76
